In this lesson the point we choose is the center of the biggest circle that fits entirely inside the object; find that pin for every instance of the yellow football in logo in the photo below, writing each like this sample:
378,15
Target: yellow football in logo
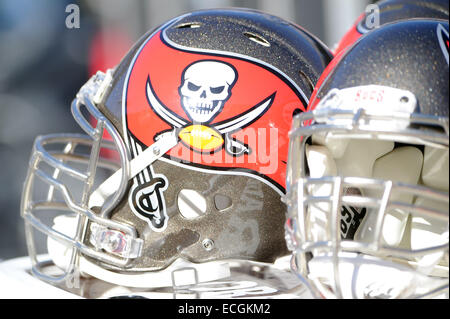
200,137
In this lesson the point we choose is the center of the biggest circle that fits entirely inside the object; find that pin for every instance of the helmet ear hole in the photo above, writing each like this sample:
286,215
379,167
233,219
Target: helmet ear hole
222,202
191,204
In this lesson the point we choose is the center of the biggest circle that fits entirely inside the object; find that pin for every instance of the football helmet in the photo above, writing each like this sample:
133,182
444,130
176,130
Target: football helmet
367,175
388,11
184,160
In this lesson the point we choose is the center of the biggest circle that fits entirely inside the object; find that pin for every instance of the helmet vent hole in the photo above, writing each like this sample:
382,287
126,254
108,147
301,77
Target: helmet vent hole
404,99
222,202
191,204
189,25
257,38
307,80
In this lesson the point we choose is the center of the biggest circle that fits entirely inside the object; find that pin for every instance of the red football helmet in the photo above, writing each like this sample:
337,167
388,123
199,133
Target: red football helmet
198,112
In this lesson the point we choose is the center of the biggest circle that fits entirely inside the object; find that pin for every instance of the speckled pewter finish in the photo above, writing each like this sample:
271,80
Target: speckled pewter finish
250,229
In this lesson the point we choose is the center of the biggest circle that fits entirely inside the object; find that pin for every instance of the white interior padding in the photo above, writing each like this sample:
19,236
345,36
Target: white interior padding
336,146
363,276
435,168
58,252
429,232
321,163
360,155
426,231
403,164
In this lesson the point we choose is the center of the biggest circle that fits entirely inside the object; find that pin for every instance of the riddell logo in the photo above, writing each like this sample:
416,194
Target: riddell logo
442,35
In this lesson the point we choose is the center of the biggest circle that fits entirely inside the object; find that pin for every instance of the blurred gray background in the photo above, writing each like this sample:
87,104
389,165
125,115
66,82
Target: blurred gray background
43,64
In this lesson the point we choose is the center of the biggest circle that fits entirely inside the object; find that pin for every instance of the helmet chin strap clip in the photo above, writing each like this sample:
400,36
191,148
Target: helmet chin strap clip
115,242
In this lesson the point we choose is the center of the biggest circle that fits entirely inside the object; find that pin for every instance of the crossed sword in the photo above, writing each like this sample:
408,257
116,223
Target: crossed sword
225,127
167,140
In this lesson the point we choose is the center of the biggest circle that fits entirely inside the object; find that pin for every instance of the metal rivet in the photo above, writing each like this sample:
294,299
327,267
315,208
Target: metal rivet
208,244
156,151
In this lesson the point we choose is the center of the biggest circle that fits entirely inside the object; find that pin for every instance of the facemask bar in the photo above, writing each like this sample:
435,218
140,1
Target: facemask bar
42,153
354,124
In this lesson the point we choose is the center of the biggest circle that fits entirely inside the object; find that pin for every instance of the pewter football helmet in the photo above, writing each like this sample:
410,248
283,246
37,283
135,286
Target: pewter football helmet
183,164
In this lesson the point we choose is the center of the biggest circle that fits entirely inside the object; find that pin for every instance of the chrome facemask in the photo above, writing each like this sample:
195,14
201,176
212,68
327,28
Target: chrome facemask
78,179
318,206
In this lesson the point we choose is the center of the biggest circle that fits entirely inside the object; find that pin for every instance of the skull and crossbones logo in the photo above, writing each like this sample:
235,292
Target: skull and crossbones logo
204,89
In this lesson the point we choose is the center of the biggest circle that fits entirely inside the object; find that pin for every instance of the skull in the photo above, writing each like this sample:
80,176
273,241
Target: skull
205,87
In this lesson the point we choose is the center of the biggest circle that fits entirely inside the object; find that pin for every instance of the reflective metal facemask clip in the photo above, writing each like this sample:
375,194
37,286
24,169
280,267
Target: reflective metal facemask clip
115,242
